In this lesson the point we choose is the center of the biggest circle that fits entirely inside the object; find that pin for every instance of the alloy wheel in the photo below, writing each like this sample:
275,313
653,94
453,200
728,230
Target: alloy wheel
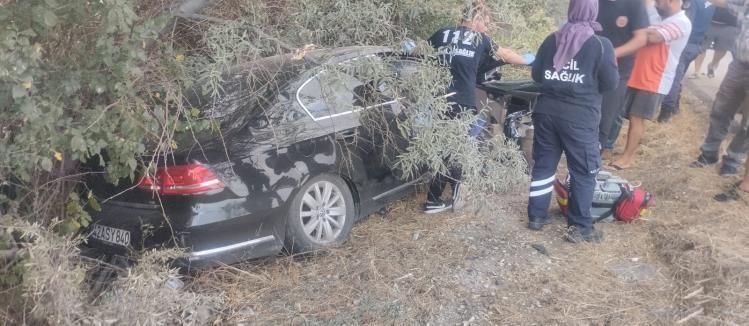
322,212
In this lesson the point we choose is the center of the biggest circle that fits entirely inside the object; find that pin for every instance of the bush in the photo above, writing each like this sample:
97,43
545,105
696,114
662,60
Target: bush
147,294
101,83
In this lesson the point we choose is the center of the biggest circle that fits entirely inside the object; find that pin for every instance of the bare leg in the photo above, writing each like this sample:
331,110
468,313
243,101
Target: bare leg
745,183
606,154
698,63
717,56
636,130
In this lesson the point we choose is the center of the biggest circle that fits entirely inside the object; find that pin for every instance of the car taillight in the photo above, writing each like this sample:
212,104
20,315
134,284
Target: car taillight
181,180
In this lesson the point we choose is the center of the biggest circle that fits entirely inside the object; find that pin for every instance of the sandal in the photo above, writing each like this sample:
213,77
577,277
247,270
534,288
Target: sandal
615,167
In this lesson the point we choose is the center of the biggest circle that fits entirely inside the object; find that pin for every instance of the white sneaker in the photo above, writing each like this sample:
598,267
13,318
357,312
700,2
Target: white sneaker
433,207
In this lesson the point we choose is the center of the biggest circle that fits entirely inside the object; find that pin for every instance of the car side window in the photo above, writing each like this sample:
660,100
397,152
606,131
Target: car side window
404,67
329,94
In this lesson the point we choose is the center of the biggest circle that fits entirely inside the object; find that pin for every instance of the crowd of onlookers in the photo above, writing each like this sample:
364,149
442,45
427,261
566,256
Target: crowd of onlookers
720,25
612,60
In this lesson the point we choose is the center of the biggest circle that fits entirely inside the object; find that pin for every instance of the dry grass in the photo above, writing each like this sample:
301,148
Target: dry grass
57,291
374,278
705,243
688,265
409,268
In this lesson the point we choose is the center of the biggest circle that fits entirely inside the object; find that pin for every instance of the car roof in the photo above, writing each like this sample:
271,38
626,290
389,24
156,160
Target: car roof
333,55
289,61
278,69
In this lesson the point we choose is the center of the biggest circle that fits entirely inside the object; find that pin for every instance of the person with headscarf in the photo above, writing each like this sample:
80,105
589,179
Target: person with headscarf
574,66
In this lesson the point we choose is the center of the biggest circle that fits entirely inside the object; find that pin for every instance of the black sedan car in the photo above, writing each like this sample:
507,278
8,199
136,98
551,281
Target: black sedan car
290,168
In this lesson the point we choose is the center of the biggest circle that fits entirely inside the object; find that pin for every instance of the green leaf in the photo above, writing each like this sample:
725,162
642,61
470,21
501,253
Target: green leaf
93,202
46,164
77,143
131,163
85,220
69,227
43,16
28,32
49,18
28,108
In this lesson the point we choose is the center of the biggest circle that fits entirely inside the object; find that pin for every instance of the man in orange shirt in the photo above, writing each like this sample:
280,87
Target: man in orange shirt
653,73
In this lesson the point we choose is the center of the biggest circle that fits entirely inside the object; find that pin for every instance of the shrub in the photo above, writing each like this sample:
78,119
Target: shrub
101,83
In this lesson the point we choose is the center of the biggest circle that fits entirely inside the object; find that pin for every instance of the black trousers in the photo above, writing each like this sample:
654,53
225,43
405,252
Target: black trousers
440,181
612,107
552,137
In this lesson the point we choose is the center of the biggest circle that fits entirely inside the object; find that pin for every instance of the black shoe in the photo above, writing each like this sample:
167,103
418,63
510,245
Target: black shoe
733,194
664,116
704,160
432,207
727,170
537,223
576,235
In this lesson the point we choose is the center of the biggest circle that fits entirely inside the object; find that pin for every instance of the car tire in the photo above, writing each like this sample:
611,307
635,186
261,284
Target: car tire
320,215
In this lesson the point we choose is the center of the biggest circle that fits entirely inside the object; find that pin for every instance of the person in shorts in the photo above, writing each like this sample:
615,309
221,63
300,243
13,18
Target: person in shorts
624,23
721,37
653,74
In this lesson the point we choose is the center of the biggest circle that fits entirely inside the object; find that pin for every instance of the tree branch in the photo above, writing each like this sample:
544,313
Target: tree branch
256,30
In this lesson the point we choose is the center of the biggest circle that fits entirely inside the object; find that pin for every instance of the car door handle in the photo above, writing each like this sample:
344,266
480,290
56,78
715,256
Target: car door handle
346,134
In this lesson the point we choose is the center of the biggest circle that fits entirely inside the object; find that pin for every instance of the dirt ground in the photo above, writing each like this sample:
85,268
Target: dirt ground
688,263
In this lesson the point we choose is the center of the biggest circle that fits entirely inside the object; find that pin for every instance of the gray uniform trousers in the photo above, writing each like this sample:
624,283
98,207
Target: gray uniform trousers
730,99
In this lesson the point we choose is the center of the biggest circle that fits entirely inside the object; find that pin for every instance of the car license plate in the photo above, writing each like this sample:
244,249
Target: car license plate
111,235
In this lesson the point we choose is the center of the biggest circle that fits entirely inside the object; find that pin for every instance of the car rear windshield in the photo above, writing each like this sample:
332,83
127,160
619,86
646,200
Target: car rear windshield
244,93
246,89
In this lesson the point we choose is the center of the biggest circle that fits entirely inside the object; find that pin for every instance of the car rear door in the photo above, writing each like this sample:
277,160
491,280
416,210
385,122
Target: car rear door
336,100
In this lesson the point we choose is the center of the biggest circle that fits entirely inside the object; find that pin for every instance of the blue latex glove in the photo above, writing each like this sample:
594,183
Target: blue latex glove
529,57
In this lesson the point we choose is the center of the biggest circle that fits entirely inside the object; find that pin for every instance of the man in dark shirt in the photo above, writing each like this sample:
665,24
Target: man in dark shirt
462,49
624,23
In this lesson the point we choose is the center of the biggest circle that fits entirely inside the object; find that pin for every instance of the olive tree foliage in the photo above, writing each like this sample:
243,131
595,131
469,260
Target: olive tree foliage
81,82
436,143
79,85
101,83
89,81
408,118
